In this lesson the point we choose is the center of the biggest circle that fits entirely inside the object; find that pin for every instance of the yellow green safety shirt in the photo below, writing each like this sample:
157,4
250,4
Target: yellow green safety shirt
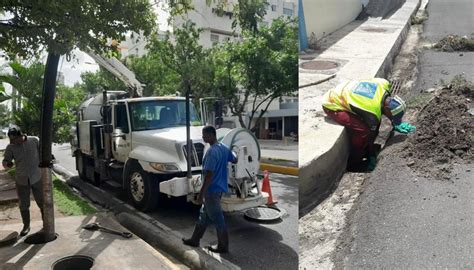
364,98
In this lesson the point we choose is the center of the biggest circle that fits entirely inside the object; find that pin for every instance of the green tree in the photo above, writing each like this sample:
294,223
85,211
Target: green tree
259,69
58,27
28,82
5,115
96,82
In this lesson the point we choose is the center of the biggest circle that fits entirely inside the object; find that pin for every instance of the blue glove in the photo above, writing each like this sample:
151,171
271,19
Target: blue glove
405,128
372,163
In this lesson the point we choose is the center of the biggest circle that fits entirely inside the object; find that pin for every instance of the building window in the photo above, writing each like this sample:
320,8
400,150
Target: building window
274,7
288,12
214,39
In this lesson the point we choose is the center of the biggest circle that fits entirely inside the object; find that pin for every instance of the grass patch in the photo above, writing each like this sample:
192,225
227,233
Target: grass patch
69,203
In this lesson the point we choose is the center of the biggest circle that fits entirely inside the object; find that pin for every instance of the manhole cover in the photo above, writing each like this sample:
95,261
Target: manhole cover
374,30
307,58
263,213
76,262
319,65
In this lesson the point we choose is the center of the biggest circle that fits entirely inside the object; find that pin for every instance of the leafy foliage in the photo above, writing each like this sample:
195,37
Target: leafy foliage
96,82
28,82
263,66
60,26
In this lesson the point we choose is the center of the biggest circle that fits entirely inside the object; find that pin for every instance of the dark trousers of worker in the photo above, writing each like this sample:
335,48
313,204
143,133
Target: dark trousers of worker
211,212
23,192
361,138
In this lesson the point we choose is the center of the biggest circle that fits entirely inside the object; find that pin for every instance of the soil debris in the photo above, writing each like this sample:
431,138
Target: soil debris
453,43
445,133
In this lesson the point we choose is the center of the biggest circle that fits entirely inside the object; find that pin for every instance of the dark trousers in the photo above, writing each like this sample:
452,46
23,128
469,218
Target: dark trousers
211,211
23,192
362,139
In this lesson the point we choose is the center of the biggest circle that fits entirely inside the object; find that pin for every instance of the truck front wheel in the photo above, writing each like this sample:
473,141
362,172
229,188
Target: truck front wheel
142,189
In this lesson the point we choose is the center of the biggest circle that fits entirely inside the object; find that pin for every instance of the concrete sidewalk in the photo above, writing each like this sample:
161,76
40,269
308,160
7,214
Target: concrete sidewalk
107,250
361,49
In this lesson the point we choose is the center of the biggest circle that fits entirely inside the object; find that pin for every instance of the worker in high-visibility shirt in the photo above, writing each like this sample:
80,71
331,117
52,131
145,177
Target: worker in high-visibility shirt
358,106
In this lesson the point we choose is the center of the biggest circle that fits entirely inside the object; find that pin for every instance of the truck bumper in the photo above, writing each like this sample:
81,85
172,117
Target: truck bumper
181,186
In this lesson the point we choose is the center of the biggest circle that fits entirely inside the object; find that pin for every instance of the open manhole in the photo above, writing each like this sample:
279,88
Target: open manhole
374,30
76,262
319,65
263,213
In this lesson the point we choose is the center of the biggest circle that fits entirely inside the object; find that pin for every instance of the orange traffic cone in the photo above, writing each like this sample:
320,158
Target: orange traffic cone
266,188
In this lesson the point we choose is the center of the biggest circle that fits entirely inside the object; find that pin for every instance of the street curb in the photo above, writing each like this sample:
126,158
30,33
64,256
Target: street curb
329,167
279,169
150,230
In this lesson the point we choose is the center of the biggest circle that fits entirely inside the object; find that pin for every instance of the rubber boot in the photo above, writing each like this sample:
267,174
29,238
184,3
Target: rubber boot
196,237
25,217
222,243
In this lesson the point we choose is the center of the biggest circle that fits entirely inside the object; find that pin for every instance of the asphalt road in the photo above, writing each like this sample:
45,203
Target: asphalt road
405,221
252,245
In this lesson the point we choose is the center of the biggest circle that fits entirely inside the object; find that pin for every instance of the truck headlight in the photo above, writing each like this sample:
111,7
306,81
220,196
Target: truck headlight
164,167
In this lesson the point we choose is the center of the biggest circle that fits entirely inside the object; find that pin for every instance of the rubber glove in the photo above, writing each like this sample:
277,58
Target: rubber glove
372,163
405,128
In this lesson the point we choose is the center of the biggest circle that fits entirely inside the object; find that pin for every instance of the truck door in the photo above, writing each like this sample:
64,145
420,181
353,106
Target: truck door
121,135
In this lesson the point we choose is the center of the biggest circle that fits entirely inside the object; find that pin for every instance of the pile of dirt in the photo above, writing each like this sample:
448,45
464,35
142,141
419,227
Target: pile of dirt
444,135
453,43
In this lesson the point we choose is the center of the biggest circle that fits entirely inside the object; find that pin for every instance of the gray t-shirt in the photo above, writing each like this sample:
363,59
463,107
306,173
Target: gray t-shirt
26,156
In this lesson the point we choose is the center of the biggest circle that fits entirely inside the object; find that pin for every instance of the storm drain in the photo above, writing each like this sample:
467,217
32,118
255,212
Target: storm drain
396,86
319,65
76,262
263,213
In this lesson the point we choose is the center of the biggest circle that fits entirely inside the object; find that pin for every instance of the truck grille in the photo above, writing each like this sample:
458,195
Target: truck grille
197,152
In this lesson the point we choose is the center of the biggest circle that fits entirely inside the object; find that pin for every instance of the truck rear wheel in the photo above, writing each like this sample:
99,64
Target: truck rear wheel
142,189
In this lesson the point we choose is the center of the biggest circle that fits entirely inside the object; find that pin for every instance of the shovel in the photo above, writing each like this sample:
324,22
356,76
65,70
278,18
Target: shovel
97,227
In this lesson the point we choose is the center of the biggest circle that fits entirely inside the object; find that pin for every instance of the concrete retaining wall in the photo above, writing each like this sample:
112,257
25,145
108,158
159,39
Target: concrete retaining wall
334,15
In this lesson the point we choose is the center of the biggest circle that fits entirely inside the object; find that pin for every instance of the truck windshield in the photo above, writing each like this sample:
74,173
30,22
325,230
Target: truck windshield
157,114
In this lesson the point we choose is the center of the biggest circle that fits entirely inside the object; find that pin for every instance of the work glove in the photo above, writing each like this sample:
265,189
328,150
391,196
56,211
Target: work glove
404,128
372,163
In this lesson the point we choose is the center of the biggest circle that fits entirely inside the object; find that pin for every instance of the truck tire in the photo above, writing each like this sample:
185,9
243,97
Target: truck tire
142,189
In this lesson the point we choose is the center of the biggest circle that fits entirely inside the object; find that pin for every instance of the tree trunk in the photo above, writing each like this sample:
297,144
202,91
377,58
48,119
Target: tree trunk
46,134
14,92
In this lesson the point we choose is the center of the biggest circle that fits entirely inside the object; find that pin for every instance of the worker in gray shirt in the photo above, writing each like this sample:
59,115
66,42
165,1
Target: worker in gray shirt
24,151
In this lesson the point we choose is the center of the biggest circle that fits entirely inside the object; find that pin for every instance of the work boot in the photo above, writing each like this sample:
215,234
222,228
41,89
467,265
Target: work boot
222,243
196,237
25,217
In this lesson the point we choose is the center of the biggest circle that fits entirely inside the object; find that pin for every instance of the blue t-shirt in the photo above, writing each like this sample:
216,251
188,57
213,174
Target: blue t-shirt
215,160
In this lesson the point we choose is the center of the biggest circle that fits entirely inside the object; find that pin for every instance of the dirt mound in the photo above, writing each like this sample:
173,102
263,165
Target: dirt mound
444,135
453,43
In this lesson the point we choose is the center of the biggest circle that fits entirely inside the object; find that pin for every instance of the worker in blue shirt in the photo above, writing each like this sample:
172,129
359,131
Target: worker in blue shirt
215,184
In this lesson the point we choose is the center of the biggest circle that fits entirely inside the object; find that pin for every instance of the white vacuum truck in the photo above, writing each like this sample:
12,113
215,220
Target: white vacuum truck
139,144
